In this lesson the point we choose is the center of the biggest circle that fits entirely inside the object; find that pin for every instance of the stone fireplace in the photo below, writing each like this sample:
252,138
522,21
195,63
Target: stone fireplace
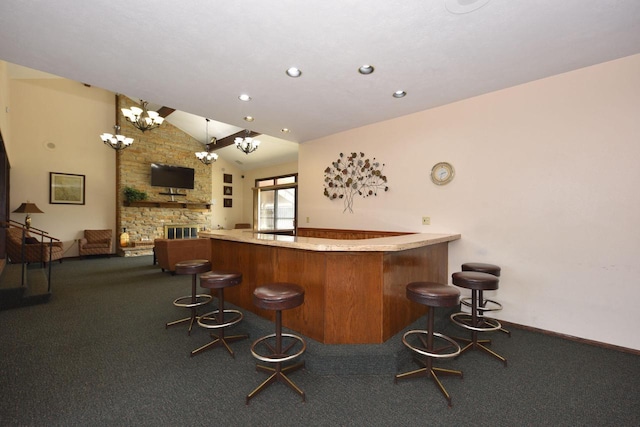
157,217
181,231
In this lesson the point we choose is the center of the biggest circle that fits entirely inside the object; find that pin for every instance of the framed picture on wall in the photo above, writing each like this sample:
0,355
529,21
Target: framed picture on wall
228,191
66,188
227,178
228,203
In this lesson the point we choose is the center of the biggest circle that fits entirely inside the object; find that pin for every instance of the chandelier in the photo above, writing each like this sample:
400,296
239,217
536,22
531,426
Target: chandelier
117,142
142,118
207,157
247,144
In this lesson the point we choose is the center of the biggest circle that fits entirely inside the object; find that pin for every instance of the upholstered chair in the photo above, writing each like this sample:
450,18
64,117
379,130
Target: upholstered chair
96,242
34,249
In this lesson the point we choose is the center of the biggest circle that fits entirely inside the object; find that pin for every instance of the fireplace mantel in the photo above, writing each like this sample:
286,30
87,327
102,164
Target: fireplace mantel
167,204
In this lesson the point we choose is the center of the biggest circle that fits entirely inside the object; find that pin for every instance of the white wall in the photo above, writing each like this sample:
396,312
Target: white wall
546,186
67,114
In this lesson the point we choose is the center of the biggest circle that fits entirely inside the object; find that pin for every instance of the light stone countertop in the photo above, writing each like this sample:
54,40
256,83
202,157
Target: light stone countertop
380,244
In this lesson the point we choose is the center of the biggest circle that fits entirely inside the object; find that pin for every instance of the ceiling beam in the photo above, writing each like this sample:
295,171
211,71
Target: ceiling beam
230,140
165,111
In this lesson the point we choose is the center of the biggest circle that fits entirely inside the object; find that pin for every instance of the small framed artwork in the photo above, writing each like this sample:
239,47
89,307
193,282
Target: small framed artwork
228,203
227,178
228,191
66,188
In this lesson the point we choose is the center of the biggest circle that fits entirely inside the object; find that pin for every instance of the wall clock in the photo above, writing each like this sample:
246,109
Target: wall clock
442,173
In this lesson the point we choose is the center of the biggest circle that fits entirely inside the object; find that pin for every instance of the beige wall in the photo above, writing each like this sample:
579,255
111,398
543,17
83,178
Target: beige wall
4,107
68,115
546,186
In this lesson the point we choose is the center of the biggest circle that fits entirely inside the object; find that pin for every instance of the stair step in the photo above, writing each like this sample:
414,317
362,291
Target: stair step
34,291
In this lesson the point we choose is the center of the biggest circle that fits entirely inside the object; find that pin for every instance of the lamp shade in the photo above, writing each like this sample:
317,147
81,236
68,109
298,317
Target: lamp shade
28,208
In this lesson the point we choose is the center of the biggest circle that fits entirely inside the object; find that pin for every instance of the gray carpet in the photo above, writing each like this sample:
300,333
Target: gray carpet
98,354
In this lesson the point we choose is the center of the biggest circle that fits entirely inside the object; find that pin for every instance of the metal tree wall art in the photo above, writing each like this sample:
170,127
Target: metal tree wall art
353,175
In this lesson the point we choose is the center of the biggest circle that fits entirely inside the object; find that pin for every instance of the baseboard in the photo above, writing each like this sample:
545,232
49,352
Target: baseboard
572,338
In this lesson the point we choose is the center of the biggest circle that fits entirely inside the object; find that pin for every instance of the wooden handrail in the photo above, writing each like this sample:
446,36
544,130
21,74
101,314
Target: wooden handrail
31,230
34,231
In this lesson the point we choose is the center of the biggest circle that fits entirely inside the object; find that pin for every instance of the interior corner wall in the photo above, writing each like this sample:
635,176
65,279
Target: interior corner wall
55,126
226,217
5,129
546,186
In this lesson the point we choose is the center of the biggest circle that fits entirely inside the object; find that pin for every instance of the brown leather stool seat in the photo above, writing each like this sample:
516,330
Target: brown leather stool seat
432,295
193,301
216,319
278,297
484,304
476,282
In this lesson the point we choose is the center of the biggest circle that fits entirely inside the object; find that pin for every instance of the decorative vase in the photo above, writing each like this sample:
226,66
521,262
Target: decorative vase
124,238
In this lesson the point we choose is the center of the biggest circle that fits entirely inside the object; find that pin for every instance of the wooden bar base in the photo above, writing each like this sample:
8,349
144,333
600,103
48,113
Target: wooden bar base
350,297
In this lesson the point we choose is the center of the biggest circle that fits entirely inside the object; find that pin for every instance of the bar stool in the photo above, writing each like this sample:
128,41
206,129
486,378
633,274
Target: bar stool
278,297
485,304
216,319
432,295
476,282
193,301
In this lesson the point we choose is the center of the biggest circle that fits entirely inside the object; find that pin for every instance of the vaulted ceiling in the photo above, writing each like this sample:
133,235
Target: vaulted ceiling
198,56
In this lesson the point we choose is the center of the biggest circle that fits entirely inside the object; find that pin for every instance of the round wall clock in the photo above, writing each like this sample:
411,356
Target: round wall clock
442,173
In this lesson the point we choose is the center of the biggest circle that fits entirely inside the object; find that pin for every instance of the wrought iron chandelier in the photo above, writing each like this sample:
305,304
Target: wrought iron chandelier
247,144
142,118
117,142
207,157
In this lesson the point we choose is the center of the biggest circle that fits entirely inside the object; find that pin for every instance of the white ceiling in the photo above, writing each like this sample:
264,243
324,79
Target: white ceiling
197,56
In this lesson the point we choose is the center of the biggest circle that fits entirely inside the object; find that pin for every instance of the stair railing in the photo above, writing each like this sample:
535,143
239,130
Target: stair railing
33,231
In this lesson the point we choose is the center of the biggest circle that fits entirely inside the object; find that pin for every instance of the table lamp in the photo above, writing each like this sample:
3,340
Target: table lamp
28,208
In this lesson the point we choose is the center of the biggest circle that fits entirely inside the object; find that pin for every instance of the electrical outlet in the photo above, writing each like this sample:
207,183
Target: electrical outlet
426,220
307,220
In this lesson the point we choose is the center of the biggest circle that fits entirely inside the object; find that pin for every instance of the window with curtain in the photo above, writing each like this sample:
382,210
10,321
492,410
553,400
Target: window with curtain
276,203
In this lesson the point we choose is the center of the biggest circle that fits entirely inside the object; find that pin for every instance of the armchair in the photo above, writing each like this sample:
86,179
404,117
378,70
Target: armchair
34,250
96,242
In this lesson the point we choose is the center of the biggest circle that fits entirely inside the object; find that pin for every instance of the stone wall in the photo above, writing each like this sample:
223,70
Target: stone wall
165,144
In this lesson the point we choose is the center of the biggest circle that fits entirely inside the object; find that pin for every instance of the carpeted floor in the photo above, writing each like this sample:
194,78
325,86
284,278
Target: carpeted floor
98,354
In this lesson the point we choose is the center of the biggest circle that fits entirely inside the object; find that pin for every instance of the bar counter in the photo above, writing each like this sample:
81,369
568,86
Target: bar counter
354,289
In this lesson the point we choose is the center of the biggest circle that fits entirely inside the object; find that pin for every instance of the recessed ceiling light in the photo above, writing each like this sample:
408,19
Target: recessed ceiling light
294,72
285,130
244,97
249,118
366,69
399,94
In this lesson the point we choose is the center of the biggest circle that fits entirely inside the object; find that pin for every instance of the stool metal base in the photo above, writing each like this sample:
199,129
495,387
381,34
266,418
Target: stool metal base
431,373
220,339
192,304
430,352
278,374
482,324
278,355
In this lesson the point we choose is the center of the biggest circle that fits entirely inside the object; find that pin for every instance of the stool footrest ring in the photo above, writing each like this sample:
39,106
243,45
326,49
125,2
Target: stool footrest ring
205,319
276,358
487,305
185,302
465,320
427,353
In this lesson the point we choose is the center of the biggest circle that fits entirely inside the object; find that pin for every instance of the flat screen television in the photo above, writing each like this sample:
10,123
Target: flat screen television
172,176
